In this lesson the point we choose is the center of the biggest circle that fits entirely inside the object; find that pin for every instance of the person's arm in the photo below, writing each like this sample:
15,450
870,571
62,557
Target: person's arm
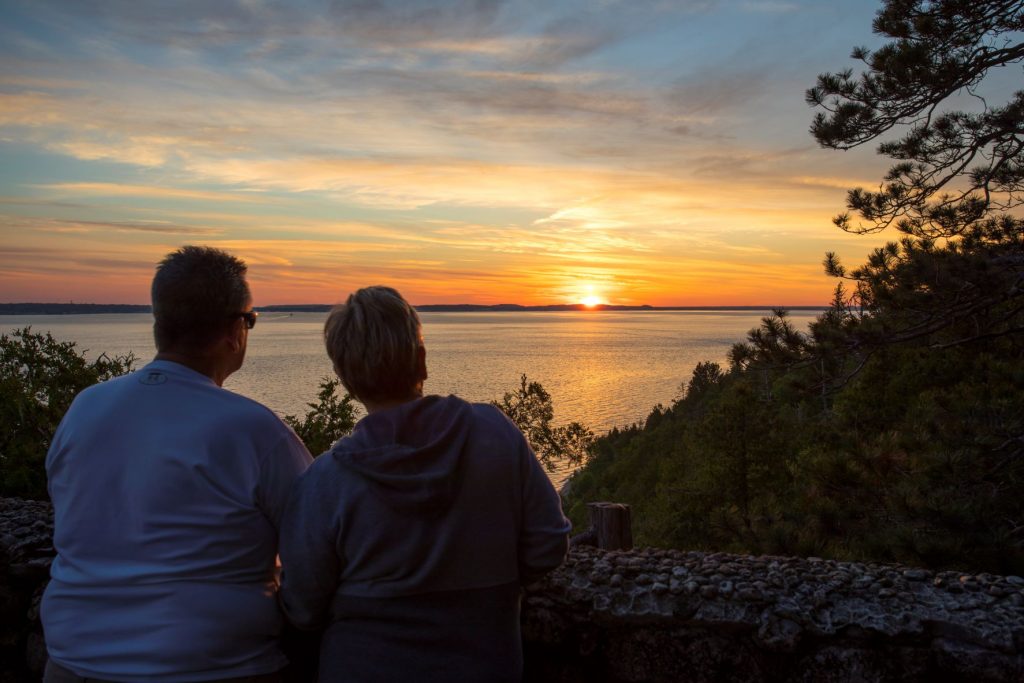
309,560
544,535
281,466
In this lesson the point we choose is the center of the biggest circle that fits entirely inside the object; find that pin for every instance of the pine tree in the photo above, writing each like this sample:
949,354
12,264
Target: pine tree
957,183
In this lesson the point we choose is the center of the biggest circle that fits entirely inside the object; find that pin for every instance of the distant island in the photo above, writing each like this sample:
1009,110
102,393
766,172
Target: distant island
78,309
71,309
515,308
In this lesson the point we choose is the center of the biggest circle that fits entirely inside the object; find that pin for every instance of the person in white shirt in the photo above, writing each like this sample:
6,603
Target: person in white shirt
168,493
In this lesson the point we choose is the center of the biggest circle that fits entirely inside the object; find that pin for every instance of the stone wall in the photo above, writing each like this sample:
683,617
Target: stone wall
660,615
26,549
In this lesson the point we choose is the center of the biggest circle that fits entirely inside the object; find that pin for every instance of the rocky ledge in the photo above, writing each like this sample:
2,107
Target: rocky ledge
665,615
26,550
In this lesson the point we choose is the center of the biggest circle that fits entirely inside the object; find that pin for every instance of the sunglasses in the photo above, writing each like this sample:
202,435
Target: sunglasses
250,318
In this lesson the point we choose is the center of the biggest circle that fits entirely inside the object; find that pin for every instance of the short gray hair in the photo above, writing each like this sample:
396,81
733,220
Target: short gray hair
373,340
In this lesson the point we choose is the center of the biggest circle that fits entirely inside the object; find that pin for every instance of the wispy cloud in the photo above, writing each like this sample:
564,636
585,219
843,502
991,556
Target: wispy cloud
466,149
123,190
162,227
772,6
711,94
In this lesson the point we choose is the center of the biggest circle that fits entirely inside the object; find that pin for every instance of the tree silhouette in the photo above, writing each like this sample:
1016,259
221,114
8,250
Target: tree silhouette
957,275
531,409
953,167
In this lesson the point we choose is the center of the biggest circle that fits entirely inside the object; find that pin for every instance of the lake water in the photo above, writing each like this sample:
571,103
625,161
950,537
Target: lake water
602,368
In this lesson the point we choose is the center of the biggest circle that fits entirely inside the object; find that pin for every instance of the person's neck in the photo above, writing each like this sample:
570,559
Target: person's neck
204,365
377,406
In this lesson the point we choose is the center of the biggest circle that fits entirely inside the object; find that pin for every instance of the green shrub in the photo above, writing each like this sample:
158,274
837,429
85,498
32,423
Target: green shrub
329,419
39,377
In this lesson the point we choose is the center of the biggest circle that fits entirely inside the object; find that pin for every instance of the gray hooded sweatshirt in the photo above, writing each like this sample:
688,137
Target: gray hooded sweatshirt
409,541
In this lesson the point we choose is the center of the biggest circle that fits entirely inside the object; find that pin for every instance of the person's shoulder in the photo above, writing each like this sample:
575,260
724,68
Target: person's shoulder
487,412
242,412
466,412
492,420
106,388
326,475
244,404
324,466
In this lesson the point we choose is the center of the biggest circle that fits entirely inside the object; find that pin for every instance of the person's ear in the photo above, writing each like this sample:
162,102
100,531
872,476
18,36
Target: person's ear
421,362
234,337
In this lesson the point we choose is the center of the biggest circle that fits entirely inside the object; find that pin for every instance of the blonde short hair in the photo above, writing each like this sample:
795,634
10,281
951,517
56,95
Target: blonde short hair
373,340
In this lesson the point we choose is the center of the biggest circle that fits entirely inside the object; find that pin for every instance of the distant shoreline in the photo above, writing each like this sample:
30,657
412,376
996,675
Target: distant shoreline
79,309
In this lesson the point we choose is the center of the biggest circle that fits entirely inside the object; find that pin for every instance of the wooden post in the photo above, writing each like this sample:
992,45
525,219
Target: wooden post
612,522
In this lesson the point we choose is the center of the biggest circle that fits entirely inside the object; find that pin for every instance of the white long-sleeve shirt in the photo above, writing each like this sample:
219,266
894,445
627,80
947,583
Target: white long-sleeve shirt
168,493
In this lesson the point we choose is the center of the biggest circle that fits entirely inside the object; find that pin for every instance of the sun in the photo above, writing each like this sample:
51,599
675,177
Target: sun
591,301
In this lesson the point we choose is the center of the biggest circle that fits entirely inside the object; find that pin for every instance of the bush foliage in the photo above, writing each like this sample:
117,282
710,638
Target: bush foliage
39,377
330,418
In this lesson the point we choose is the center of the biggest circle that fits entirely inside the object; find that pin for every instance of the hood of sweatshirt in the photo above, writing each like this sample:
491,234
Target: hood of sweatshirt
409,455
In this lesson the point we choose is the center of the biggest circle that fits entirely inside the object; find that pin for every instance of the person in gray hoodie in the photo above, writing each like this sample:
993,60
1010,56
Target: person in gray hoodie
409,541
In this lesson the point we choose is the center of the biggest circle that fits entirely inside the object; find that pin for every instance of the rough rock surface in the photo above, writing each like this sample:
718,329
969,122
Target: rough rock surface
665,615
26,550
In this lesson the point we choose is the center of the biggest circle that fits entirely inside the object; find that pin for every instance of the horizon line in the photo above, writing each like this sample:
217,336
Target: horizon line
50,307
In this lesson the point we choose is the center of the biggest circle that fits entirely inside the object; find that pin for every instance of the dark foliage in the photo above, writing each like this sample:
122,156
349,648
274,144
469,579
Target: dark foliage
892,429
952,167
531,409
39,377
327,420
912,453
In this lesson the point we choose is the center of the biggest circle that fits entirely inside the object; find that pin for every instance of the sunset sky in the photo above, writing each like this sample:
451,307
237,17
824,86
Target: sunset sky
535,152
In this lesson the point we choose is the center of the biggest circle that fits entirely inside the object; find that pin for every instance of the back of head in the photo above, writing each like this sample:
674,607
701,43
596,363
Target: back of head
197,294
373,339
